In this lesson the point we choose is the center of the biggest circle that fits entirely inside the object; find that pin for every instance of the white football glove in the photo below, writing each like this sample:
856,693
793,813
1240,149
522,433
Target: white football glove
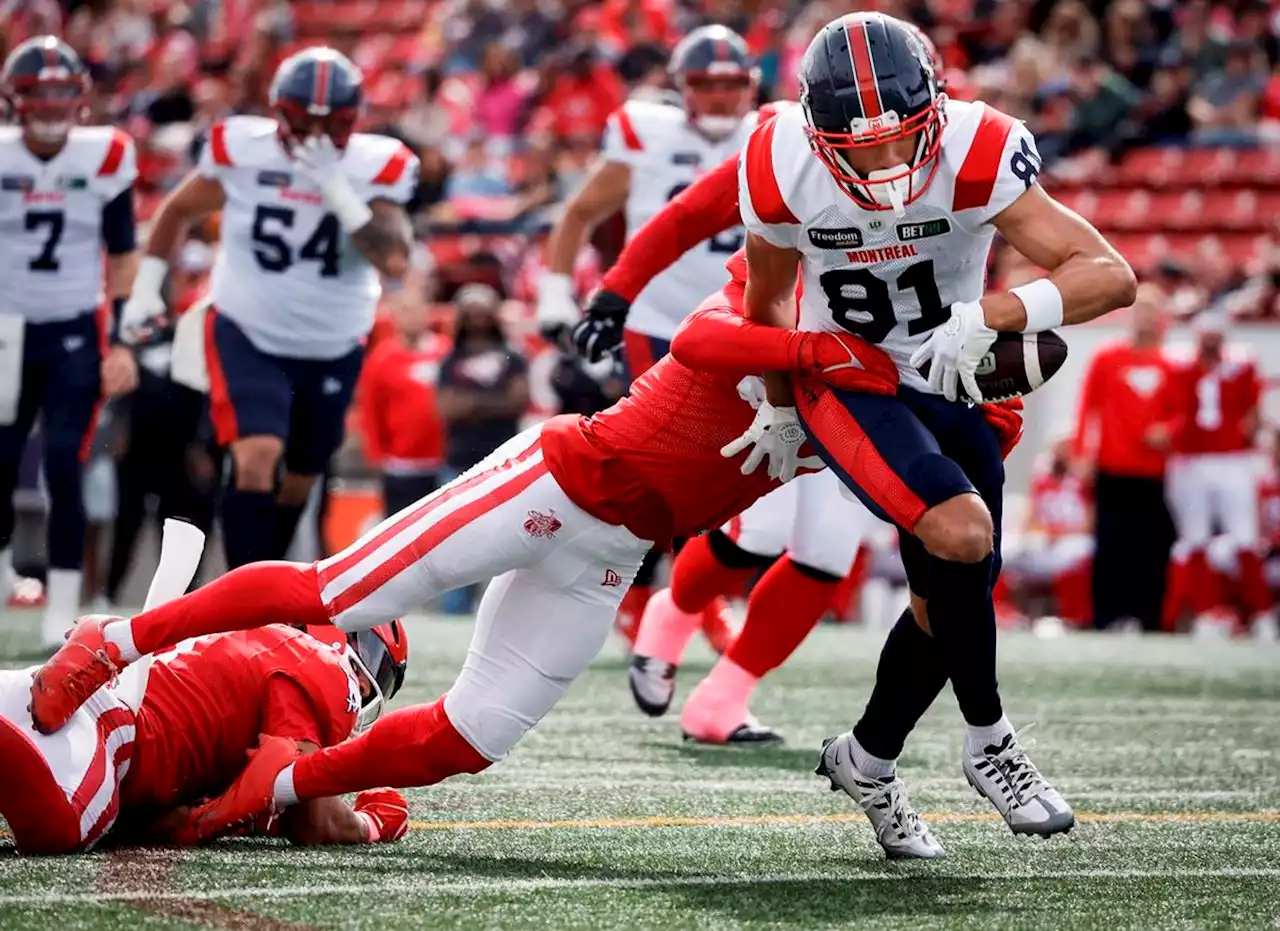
144,312
776,433
317,158
954,350
556,306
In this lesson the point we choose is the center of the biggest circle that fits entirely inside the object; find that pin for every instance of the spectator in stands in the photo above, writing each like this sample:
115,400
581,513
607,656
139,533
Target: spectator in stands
483,389
1195,41
1104,101
428,120
582,95
477,173
1162,116
1123,437
399,415
1224,105
532,34
1131,45
501,106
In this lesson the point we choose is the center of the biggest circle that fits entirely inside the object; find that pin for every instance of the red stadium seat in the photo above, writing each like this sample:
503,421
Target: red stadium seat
1146,167
1257,167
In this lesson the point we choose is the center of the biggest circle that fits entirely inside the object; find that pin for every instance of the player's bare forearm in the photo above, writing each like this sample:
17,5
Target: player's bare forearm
121,270
319,821
771,283
195,197
386,239
778,389
604,194
1088,272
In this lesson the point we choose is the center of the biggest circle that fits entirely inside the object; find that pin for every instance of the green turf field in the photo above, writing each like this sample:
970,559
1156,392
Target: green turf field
1169,750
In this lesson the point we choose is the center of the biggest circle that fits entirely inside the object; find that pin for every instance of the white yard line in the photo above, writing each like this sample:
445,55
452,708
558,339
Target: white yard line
435,887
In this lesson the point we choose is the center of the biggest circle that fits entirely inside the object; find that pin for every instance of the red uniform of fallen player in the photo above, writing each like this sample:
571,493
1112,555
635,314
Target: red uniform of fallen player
205,707
560,517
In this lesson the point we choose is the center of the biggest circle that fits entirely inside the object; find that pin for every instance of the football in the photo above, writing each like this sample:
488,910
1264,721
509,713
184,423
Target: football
1017,364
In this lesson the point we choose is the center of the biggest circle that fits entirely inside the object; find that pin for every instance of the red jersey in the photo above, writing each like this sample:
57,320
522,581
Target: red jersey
1214,401
403,432
1059,505
1126,392
208,700
1269,500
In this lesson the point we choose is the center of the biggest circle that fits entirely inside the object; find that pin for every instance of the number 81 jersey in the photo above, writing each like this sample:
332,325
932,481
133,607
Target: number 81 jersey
885,278
286,273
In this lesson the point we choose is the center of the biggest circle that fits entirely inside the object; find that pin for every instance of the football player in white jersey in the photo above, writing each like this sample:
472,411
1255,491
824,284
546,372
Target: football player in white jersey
66,195
653,150
312,215
884,196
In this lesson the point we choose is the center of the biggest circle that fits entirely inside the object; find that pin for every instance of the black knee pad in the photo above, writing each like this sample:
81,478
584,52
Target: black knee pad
732,555
818,575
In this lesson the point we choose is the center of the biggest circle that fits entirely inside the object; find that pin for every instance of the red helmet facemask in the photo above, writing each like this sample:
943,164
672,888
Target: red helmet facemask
717,101
47,107
890,188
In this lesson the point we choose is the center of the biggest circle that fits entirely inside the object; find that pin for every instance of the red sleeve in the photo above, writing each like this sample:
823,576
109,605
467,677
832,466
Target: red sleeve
370,403
1084,444
1253,387
287,711
703,209
716,339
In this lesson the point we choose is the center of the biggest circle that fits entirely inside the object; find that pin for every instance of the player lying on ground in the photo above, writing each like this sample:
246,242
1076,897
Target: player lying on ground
131,768
884,197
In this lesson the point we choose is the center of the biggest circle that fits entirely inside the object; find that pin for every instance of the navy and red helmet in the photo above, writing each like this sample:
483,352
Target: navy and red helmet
317,90
715,75
45,86
867,79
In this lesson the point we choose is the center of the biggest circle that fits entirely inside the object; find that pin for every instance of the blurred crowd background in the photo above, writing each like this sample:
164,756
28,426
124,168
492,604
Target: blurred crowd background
1158,120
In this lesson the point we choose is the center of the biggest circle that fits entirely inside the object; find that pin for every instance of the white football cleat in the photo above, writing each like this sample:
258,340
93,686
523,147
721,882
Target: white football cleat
653,684
897,826
1005,776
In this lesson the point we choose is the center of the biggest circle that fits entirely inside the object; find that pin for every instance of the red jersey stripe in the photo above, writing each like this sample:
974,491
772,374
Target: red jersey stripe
864,71
977,176
394,167
115,154
630,138
320,93
218,145
762,182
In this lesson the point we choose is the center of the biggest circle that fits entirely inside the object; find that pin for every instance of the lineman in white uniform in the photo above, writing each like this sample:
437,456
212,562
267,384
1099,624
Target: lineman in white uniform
65,197
885,198
312,215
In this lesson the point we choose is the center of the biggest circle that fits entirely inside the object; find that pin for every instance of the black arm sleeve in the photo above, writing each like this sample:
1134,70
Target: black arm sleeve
119,230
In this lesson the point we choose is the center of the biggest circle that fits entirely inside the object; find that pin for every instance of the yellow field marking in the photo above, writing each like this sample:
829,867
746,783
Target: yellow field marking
942,817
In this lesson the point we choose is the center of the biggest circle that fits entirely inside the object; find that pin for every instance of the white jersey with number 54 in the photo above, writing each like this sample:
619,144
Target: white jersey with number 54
886,278
286,273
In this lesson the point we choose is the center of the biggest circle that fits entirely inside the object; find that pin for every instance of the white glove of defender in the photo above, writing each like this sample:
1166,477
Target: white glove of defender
954,350
317,158
556,306
145,310
776,433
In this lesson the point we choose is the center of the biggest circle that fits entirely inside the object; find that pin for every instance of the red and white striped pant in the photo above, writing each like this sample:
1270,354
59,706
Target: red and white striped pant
558,575
60,792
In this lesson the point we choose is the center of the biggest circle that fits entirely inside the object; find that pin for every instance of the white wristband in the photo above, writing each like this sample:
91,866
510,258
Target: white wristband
351,210
150,276
1043,303
555,286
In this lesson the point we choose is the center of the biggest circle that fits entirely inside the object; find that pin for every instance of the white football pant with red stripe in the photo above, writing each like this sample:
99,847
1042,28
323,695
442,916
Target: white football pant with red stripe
558,575
808,517
61,793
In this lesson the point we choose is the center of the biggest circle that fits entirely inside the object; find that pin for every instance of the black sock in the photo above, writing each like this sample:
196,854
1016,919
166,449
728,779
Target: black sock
248,526
963,620
287,518
648,566
909,677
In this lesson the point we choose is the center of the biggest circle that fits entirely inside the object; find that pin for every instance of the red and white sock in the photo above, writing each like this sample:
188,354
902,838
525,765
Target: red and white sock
415,746
251,596
784,607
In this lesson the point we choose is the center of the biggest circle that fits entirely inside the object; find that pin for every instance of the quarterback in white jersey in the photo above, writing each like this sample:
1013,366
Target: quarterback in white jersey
653,150
66,197
312,216
884,197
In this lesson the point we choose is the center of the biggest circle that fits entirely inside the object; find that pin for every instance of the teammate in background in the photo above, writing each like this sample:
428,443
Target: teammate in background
884,197
1269,507
1056,548
1213,483
140,753
66,195
653,151
312,215
820,527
